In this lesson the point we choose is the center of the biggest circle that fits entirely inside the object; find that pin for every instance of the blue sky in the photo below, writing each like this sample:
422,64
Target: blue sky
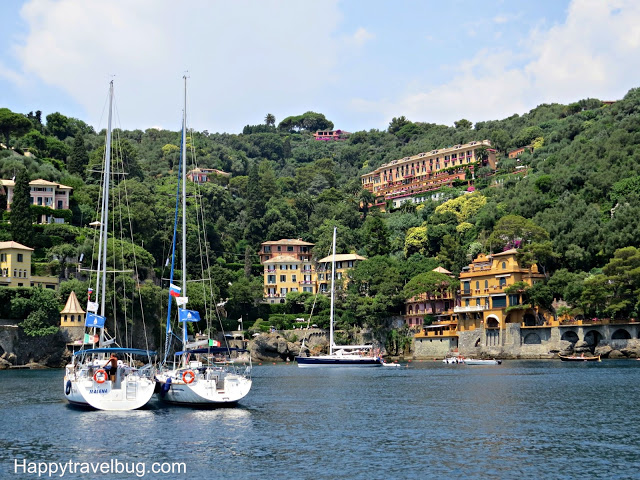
359,62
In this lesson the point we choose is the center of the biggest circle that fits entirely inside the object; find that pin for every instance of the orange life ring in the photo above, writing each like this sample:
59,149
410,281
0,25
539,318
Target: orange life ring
188,377
104,376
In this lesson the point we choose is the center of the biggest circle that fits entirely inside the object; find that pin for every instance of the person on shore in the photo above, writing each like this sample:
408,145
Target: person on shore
112,367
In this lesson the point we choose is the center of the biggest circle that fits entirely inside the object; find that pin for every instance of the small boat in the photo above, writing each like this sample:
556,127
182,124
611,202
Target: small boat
453,360
392,364
479,361
581,358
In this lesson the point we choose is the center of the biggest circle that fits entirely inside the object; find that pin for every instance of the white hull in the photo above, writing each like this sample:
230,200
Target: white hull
323,361
468,361
130,391
219,389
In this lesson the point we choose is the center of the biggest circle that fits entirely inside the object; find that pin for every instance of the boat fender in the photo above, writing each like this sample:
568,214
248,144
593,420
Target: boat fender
165,387
188,377
67,388
100,376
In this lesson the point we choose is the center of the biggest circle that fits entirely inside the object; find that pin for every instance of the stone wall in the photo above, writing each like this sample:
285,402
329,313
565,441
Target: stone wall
542,342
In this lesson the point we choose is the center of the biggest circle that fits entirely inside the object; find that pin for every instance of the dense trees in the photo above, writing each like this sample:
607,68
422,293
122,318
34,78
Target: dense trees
21,219
570,205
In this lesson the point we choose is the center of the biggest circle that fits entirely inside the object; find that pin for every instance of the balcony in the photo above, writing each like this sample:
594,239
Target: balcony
306,282
470,308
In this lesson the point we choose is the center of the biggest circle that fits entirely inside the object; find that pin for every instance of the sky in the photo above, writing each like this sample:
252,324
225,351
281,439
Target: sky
358,62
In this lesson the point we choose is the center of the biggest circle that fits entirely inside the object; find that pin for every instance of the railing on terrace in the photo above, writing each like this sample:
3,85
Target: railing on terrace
470,308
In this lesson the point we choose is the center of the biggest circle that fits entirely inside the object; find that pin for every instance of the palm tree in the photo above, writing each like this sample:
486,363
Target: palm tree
270,120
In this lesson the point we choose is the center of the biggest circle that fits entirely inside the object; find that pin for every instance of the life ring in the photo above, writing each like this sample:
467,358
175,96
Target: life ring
67,388
188,377
102,378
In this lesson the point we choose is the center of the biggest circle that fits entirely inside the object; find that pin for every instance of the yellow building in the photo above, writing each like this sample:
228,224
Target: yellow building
406,178
483,300
72,319
15,268
284,274
344,262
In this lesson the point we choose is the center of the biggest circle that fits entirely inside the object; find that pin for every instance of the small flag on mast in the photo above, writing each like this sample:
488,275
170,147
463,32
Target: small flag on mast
174,290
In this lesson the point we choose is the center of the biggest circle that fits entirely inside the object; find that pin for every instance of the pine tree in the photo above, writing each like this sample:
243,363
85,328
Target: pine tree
79,157
21,221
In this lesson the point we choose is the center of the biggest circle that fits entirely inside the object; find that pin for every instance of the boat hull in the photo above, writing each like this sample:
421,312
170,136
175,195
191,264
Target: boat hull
337,361
203,392
133,393
579,359
467,361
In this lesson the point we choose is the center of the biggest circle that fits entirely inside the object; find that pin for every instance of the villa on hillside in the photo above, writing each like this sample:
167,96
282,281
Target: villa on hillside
43,193
328,135
15,268
204,175
413,178
287,268
344,263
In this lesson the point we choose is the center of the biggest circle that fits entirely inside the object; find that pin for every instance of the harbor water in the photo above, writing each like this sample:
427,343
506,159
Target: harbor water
519,420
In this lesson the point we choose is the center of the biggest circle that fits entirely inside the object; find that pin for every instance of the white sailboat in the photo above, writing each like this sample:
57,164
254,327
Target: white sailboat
202,373
88,381
340,355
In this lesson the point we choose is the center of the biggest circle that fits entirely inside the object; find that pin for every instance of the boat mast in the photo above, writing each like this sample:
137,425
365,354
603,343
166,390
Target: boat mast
333,274
184,207
104,217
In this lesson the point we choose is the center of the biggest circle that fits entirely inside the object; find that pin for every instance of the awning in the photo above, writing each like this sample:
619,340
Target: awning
438,326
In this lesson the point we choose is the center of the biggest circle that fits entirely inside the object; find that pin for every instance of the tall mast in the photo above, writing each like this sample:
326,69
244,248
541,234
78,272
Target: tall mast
104,216
184,205
333,275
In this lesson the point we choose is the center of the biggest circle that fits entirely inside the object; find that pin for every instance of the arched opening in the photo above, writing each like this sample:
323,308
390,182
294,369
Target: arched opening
570,336
532,339
592,338
492,322
529,320
477,344
621,334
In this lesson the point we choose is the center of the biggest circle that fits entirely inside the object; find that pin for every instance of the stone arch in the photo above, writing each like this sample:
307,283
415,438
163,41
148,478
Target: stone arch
532,339
621,334
593,337
492,321
570,336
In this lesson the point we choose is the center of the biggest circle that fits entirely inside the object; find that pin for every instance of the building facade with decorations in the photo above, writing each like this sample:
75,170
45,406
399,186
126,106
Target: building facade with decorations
344,262
439,306
484,301
287,268
15,268
44,194
413,178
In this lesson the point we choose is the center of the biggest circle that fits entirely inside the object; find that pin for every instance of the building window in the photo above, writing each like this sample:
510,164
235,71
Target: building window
504,265
514,299
466,287
73,318
477,285
289,249
503,282
283,278
271,279
283,291
3,257
500,302
59,204
267,249
486,284
20,257
293,278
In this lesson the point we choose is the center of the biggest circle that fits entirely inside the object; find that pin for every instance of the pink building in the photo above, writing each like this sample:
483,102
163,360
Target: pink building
43,193
202,175
328,135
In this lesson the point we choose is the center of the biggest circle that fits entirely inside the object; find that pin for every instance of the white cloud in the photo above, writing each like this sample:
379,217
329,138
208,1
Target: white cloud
361,36
594,53
262,53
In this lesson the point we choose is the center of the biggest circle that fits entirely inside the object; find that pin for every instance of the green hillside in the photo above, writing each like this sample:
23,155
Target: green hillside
572,204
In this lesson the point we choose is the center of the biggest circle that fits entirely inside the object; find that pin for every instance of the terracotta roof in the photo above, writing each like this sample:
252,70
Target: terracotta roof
73,305
283,259
39,181
442,270
288,241
342,257
16,245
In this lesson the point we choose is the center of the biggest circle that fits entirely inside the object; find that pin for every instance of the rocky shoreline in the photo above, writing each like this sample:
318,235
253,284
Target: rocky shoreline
19,351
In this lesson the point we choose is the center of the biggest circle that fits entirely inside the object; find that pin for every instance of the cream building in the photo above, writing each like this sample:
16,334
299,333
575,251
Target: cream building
15,268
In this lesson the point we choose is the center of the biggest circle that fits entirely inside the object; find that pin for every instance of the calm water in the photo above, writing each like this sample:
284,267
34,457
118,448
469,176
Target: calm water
524,420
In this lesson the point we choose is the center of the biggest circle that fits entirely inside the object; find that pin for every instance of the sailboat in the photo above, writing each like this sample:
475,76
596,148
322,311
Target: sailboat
107,377
203,373
340,355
